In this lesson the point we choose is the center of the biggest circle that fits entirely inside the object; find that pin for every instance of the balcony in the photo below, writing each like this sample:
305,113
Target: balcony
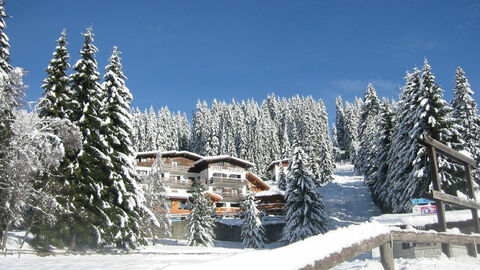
231,197
227,169
176,182
169,167
227,180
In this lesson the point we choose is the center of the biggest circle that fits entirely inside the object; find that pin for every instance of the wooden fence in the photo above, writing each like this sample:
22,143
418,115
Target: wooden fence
433,146
385,243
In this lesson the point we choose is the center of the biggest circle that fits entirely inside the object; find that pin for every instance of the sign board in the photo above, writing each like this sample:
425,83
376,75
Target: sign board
424,209
421,201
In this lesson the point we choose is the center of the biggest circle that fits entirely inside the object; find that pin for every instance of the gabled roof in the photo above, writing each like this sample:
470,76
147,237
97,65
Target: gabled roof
274,191
257,181
275,162
211,159
185,154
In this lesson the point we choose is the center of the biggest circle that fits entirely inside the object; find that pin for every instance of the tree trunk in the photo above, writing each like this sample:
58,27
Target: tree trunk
5,236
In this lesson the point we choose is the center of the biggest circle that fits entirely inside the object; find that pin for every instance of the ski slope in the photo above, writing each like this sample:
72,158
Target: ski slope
347,199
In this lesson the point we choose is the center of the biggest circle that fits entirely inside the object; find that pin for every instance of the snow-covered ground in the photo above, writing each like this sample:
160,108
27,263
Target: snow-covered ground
347,199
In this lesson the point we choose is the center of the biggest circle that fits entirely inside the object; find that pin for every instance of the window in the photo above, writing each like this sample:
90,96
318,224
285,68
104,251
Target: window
219,205
219,175
234,176
234,205
174,164
182,205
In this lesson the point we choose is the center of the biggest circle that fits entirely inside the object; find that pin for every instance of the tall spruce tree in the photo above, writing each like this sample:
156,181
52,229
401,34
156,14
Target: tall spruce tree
466,117
200,226
252,233
122,192
340,123
156,200
382,141
428,114
57,94
367,132
89,225
305,213
402,145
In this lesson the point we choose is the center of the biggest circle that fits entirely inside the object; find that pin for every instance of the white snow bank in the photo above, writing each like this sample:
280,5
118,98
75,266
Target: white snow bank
304,252
421,220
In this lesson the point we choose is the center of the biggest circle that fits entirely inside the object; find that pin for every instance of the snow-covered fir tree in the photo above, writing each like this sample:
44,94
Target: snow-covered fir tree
252,233
57,94
156,200
122,192
89,220
466,117
422,111
382,142
282,180
367,132
351,123
340,123
305,213
200,221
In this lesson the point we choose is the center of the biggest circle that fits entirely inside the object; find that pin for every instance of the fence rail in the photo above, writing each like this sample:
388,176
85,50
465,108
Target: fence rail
385,242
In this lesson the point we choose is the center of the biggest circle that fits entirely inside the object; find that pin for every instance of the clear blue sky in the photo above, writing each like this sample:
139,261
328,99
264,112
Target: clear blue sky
175,52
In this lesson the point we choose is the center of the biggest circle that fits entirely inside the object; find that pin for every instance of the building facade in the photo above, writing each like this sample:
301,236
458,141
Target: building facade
226,179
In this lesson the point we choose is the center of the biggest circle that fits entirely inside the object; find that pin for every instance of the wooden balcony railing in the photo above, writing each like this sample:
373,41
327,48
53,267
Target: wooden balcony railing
227,180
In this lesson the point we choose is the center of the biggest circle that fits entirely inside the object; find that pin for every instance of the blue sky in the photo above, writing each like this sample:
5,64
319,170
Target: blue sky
176,52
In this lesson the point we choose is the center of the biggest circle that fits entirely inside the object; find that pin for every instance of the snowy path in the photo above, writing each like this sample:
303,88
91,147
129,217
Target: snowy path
347,198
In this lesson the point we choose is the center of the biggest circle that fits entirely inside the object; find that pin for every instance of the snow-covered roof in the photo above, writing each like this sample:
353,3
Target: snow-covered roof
181,153
255,178
273,163
169,153
417,220
146,153
214,195
210,159
273,191
177,195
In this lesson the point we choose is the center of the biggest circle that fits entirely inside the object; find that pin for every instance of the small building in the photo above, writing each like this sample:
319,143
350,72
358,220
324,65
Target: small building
276,166
226,179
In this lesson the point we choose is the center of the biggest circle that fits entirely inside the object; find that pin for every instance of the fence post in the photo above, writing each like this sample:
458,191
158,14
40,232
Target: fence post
386,255
440,204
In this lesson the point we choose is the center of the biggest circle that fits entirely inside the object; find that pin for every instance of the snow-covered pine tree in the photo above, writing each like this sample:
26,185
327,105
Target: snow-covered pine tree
57,94
121,190
252,233
367,132
340,123
325,158
402,146
156,200
200,129
184,130
227,132
429,115
305,213
282,180
382,141
466,117
350,130
89,220
200,226
151,131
